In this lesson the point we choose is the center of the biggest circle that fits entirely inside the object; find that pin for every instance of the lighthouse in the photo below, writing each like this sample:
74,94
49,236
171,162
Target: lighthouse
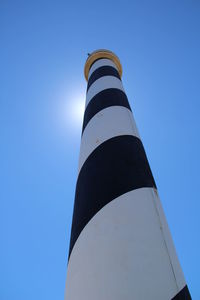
121,247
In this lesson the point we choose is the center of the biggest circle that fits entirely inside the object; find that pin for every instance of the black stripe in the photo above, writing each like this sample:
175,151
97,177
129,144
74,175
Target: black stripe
104,99
116,167
100,72
184,294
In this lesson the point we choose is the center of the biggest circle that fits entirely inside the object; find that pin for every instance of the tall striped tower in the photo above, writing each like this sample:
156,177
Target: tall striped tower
121,247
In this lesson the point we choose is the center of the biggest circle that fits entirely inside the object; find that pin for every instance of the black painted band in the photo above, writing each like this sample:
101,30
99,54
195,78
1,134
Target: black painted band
104,99
117,166
184,294
100,72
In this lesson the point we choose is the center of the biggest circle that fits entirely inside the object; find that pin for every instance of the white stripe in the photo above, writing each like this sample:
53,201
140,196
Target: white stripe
168,241
109,122
103,83
121,254
100,63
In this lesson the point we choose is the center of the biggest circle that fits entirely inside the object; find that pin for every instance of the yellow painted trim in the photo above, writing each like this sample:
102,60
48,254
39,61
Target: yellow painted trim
102,54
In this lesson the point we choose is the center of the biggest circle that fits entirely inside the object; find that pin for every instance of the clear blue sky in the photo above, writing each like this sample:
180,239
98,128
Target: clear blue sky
44,45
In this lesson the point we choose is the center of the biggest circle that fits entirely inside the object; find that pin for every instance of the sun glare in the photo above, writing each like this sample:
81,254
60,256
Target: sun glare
76,109
70,109
73,111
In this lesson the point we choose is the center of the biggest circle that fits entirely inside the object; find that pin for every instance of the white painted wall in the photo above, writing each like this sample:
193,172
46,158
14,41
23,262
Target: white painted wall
103,83
106,124
125,252
101,63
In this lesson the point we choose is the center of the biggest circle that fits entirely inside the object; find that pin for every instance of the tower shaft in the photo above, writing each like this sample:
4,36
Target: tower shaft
120,247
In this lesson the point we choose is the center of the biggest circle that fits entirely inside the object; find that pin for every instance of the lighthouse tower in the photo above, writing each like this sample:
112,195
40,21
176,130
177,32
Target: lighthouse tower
121,247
